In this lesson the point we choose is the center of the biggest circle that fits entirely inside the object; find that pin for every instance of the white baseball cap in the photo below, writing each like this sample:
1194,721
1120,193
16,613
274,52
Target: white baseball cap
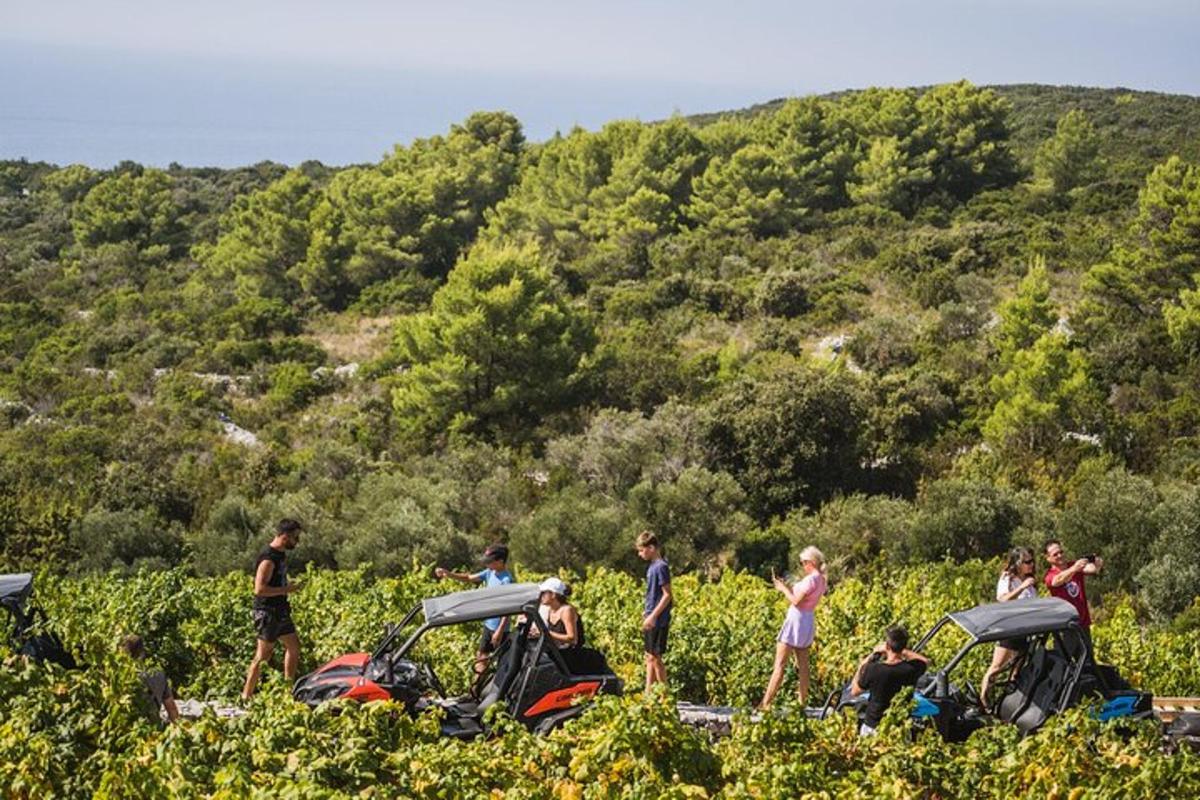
554,585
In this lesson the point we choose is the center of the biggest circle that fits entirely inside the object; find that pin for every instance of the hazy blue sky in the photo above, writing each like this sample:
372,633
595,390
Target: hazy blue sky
228,83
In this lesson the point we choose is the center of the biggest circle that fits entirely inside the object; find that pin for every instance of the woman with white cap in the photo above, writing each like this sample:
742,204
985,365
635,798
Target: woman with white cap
562,620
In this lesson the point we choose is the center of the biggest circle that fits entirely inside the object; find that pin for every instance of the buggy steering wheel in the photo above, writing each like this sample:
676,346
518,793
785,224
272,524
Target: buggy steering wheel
969,694
431,678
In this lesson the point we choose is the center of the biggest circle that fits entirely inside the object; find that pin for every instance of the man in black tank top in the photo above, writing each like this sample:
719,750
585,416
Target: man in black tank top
272,610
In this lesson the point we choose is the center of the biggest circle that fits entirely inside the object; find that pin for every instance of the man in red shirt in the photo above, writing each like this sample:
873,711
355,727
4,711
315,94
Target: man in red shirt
1066,582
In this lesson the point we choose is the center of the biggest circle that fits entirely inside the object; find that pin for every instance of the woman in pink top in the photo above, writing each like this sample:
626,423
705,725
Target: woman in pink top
798,630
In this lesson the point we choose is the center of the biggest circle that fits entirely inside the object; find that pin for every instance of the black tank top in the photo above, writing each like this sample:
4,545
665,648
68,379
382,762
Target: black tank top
561,627
278,578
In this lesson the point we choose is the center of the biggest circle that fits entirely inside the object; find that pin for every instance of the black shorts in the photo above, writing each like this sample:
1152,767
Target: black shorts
1020,644
656,640
273,623
485,641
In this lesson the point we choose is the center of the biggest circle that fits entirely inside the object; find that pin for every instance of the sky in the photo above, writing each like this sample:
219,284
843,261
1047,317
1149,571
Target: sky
224,83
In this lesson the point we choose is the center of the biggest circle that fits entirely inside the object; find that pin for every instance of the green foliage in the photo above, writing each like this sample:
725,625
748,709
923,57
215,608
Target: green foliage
853,531
292,385
966,130
1113,513
264,236
748,193
1159,256
575,526
1170,581
389,528
127,539
129,207
1069,158
83,734
887,178
762,552
961,519
1043,395
699,512
791,438
1183,323
622,449
783,294
498,349
1028,316
644,314
412,214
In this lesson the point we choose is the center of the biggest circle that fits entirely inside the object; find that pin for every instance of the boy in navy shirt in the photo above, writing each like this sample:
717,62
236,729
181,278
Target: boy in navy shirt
656,619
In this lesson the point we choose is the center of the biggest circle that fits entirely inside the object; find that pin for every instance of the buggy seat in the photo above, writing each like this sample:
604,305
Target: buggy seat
1038,692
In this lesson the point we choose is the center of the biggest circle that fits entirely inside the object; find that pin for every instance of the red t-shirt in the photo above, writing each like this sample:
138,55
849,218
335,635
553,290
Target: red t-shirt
1073,592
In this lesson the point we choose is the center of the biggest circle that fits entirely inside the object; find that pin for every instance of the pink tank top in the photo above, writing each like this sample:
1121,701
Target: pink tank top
813,586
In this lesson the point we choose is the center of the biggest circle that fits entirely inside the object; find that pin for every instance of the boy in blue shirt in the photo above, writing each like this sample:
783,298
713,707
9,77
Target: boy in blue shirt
656,614
495,629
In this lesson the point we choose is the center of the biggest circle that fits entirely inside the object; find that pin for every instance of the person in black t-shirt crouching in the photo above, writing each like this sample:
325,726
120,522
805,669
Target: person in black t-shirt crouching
885,677
272,611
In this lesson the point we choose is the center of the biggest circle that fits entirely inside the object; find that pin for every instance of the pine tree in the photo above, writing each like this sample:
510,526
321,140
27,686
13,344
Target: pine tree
1069,158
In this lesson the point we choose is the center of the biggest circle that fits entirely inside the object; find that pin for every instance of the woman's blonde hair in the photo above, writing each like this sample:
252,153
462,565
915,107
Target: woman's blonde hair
814,555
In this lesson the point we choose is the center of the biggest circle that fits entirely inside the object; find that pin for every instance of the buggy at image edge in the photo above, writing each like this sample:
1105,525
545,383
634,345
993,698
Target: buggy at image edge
30,635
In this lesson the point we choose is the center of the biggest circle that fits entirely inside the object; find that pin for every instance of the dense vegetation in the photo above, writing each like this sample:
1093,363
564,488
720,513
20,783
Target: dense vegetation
75,735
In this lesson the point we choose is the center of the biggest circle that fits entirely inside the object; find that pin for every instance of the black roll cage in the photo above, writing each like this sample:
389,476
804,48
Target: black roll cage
529,610
1069,640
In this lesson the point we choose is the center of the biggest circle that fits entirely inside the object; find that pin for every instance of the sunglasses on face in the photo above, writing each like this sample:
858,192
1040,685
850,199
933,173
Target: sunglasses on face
1027,561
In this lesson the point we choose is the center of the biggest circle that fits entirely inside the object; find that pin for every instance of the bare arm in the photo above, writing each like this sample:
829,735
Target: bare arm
856,687
171,708
1064,577
498,634
1016,592
262,577
793,598
461,577
1093,568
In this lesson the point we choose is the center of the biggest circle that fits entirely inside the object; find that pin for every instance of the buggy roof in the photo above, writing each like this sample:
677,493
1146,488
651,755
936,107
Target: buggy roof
476,604
16,587
994,621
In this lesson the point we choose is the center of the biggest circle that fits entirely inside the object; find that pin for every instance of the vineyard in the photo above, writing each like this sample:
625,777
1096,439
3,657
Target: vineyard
85,733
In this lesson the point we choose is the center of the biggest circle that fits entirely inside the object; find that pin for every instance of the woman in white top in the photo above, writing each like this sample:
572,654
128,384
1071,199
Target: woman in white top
1017,582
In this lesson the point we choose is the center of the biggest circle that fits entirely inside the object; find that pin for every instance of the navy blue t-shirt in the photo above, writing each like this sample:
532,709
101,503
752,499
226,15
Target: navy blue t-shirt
658,575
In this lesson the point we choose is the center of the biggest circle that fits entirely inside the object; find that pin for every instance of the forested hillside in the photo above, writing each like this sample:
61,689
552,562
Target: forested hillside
905,325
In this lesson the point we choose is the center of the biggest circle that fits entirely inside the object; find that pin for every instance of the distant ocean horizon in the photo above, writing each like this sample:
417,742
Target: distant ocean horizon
67,108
